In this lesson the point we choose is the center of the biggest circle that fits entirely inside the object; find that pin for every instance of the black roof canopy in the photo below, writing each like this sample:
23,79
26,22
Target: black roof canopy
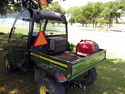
48,15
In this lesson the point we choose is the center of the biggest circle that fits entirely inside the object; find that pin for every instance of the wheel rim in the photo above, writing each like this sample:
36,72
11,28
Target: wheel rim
44,90
7,63
85,78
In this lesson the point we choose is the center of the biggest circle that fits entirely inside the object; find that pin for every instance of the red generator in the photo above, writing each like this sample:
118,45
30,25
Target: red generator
86,48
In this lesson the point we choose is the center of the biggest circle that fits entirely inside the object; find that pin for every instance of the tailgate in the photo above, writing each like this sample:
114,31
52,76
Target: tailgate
86,63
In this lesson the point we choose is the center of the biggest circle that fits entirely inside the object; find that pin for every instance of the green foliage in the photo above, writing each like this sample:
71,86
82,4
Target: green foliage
55,7
86,14
5,6
98,12
97,8
72,11
74,15
102,21
110,11
120,23
72,20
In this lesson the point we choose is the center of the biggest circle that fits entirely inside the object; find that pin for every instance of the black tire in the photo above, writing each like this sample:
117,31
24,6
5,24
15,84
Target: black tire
90,77
47,85
10,68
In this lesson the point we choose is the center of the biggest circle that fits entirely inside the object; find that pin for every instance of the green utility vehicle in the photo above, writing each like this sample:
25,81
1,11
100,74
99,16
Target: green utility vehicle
38,40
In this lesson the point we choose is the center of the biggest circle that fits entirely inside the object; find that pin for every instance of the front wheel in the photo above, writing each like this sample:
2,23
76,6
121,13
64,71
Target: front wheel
47,85
90,77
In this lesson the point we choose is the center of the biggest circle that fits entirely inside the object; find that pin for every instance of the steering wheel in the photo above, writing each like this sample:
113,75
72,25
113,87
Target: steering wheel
51,33
24,36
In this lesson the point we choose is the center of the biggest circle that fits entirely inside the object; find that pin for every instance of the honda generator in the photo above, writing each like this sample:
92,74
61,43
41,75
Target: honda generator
86,48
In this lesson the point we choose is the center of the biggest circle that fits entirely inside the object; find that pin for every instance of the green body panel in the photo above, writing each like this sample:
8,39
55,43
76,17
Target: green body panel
87,63
70,69
15,56
13,52
23,56
73,47
62,65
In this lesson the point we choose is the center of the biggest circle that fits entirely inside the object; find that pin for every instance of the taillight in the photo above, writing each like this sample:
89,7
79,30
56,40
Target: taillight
61,78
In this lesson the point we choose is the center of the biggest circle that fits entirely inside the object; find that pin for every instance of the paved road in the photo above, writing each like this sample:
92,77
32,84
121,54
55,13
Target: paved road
113,42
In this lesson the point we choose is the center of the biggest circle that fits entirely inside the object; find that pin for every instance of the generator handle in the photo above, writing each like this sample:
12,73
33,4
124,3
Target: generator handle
88,40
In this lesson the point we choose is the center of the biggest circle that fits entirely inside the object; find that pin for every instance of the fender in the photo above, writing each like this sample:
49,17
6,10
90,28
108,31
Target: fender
14,52
45,69
11,51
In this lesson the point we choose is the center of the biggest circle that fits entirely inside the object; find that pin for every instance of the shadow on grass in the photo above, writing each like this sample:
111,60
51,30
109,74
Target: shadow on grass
19,82
110,80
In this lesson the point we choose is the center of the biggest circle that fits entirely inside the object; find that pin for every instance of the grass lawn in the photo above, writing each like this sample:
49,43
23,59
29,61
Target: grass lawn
110,79
5,29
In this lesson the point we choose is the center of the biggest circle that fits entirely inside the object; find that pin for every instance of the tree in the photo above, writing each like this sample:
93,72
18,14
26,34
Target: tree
73,12
102,21
72,20
84,15
121,8
97,9
55,7
110,12
80,17
121,4
5,5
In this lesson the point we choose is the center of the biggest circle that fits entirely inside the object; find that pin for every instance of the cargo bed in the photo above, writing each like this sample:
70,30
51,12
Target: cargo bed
68,56
69,63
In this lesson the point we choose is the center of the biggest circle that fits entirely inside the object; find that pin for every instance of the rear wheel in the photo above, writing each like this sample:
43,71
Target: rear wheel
8,65
90,77
44,90
47,85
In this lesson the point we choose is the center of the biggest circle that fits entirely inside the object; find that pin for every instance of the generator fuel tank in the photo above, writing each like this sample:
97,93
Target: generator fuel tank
86,48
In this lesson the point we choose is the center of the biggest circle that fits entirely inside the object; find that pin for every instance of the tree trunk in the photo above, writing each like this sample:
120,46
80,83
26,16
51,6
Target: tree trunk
96,23
93,23
111,21
116,20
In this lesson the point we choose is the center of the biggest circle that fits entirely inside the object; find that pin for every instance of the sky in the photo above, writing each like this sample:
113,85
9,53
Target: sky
71,3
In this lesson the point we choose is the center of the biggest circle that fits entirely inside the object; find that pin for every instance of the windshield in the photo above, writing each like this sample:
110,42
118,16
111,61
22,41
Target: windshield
50,27
21,25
